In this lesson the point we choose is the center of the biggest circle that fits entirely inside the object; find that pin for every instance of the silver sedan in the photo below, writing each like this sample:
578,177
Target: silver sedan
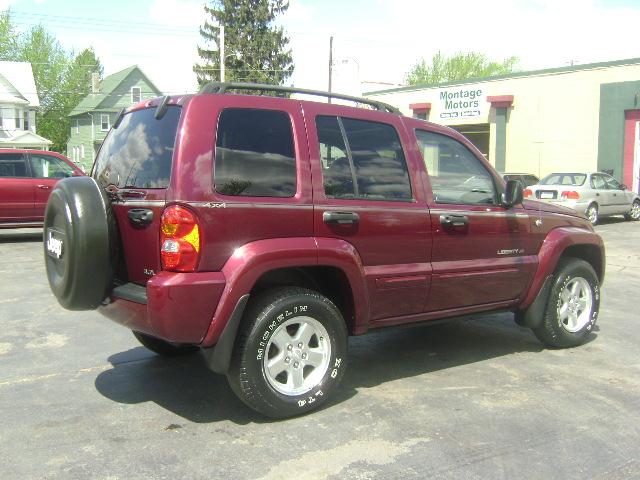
593,194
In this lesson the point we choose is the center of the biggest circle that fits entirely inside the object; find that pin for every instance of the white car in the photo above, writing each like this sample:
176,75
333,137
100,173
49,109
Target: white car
593,194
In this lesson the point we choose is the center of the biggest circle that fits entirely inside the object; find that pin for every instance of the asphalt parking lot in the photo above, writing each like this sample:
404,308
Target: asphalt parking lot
80,398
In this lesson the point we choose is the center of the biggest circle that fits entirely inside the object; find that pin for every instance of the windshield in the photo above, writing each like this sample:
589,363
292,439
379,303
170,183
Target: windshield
575,179
139,153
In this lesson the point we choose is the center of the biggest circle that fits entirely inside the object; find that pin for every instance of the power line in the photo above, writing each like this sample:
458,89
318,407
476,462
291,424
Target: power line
118,25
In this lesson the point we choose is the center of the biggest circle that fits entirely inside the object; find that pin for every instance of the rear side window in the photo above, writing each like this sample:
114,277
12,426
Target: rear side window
46,166
362,159
139,152
13,165
254,154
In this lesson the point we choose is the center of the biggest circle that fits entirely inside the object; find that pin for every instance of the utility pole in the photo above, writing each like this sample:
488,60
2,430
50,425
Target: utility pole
330,64
221,53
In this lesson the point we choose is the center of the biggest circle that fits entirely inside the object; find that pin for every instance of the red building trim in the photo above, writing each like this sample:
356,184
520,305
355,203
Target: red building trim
630,119
501,101
418,108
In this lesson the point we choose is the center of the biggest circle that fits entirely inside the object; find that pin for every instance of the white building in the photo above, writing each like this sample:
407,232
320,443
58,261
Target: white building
18,104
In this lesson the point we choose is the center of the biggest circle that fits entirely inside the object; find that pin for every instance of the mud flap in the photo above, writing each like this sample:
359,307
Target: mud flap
218,357
534,315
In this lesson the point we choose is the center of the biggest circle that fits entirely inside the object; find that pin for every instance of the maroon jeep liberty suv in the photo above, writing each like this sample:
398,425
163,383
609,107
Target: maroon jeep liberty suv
264,230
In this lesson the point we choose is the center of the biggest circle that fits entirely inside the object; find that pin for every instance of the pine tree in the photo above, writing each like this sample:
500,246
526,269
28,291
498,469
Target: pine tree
256,50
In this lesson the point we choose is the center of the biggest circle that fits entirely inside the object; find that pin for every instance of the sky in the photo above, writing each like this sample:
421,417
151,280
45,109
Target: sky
375,40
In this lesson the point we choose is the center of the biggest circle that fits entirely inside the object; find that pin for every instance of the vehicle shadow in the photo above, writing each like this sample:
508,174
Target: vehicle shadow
20,236
186,387
611,221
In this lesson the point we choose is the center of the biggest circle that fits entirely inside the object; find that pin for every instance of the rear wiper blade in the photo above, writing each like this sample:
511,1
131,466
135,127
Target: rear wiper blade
162,107
119,118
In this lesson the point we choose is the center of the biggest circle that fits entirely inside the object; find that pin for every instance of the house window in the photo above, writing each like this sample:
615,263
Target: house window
104,122
26,119
135,94
82,150
77,126
17,119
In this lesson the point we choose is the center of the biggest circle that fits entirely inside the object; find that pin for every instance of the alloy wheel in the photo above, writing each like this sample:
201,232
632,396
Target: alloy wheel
575,304
297,356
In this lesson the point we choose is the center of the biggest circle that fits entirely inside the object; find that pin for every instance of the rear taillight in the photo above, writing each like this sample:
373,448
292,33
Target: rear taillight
570,195
179,240
527,193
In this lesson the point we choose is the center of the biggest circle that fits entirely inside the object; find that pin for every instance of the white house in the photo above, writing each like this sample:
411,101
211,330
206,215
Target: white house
18,104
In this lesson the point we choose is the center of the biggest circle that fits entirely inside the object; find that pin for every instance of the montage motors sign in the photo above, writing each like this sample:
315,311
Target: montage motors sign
461,103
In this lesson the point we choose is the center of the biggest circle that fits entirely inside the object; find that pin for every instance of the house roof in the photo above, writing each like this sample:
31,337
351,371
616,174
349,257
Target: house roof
107,86
18,83
25,138
530,73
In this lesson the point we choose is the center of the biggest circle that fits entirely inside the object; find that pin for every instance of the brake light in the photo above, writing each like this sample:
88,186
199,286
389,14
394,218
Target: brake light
527,193
179,240
570,195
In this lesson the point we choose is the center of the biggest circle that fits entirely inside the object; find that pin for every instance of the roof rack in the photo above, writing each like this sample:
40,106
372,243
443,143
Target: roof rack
223,87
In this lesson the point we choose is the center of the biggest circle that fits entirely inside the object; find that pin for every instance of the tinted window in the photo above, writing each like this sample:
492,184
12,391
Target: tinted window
574,179
456,175
254,154
46,166
370,164
530,180
13,165
139,152
336,170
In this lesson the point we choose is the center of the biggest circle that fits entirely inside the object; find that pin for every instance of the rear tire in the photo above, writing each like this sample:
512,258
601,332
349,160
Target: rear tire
290,353
592,214
572,307
162,347
634,213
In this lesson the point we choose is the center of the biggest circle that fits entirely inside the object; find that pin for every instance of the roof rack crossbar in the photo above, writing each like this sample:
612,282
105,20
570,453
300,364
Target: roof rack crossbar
223,87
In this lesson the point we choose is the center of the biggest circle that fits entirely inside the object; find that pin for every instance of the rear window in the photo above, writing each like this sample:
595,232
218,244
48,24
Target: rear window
254,154
13,165
139,153
574,179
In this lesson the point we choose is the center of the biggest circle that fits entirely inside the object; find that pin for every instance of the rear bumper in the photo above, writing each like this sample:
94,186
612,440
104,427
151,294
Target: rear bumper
177,307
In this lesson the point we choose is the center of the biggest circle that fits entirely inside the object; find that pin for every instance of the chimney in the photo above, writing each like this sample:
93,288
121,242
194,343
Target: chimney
95,82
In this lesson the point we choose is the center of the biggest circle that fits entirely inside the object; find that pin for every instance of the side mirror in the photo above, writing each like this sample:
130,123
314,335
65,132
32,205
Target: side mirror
623,187
513,194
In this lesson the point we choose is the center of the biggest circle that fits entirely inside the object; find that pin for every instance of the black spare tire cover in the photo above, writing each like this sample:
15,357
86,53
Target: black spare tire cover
77,251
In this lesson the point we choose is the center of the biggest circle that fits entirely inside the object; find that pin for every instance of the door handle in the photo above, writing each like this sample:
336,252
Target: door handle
44,187
140,217
341,218
454,220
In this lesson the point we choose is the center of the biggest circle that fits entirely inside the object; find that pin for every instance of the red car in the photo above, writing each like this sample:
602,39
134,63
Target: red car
263,231
27,178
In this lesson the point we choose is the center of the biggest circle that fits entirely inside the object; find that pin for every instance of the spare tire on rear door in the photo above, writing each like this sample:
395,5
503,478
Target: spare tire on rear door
78,230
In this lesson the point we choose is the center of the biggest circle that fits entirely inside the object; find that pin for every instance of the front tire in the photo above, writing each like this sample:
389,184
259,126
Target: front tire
290,353
572,308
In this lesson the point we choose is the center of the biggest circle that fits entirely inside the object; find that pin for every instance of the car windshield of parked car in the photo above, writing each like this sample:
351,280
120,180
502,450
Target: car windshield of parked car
574,179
